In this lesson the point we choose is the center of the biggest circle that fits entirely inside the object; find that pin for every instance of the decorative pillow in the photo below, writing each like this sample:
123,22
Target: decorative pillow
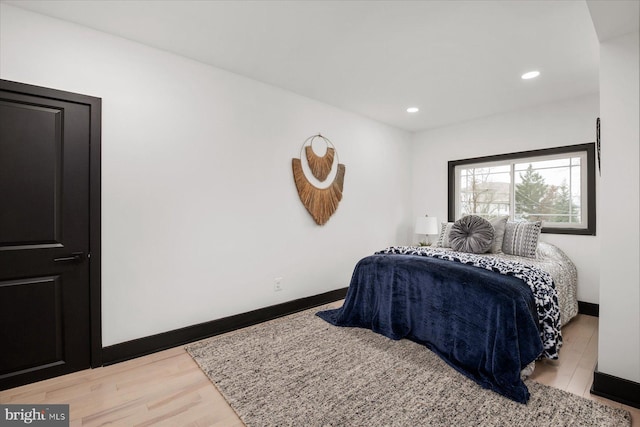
498,226
443,239
472,234
521,238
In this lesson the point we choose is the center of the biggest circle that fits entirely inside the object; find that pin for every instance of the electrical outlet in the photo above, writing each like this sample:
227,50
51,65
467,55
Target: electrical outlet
277,284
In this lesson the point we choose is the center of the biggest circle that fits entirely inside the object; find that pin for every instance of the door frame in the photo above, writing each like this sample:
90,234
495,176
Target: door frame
95,139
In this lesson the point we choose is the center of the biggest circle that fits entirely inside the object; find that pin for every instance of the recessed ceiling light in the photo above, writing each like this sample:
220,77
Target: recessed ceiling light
413,110
530,75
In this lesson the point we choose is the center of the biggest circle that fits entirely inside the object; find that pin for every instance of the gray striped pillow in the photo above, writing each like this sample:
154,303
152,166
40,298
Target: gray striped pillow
443,239
521,238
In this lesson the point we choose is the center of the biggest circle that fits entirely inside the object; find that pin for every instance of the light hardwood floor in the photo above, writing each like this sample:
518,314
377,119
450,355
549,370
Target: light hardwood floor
168,388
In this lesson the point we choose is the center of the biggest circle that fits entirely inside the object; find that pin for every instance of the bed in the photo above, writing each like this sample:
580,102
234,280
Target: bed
488,315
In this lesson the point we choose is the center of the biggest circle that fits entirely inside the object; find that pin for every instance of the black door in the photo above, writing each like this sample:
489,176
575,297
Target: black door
47,300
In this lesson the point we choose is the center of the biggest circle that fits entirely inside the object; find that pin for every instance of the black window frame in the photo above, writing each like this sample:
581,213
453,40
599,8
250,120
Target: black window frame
589,148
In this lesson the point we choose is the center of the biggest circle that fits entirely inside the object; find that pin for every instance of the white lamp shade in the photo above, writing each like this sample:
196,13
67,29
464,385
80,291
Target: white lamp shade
426,225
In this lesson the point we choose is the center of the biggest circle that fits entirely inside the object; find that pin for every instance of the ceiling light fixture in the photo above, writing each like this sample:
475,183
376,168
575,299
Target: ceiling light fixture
413,110
530,75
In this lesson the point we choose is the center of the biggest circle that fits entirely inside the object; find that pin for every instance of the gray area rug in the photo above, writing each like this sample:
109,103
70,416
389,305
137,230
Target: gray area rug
301,371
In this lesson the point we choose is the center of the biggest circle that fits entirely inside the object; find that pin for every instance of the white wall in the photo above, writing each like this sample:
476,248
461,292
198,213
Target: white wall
619,344
200,212
564,123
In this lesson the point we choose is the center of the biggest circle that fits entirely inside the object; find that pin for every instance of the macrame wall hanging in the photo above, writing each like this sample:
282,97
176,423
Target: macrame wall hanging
320,202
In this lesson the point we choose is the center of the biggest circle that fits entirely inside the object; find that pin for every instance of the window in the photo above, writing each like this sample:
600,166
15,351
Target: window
555,186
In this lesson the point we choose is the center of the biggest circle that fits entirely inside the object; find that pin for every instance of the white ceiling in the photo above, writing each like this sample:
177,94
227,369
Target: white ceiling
613,18
455,60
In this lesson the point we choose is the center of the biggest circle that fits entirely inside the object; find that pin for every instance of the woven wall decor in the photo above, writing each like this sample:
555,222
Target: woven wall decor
320,166
321,203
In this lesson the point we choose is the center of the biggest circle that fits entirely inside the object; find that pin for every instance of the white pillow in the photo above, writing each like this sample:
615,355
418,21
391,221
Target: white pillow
499,225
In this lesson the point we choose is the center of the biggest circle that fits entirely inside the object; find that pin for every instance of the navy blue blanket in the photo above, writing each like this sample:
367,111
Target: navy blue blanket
484,324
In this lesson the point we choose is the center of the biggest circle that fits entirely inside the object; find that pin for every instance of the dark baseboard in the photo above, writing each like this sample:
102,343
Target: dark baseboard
614,388
154,343
588,308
